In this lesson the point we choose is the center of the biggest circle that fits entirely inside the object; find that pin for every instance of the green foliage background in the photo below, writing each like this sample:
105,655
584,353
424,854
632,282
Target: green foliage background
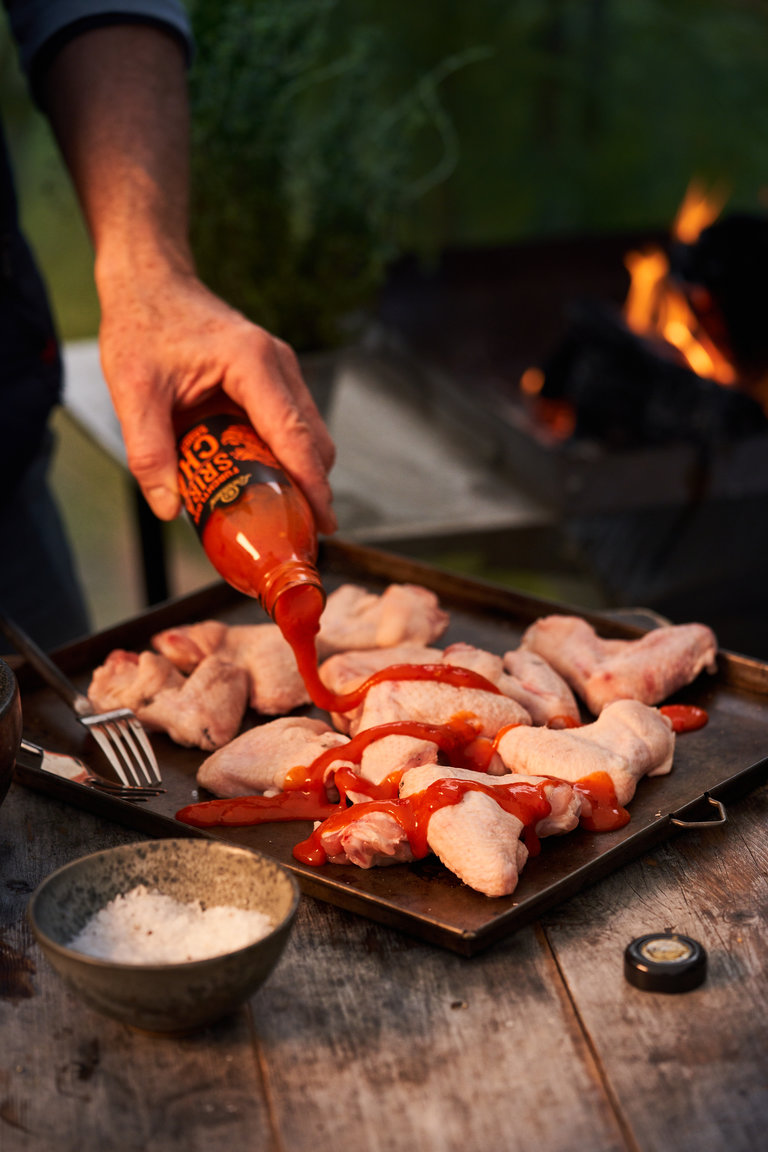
308,150
570,116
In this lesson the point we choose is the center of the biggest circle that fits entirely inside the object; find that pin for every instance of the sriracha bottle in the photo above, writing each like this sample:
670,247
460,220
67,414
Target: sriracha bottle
255,524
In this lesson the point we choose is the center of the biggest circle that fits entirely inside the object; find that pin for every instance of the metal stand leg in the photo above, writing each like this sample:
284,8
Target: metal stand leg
153,552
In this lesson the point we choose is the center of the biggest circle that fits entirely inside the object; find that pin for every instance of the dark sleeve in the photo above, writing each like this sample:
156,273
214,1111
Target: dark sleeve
42,27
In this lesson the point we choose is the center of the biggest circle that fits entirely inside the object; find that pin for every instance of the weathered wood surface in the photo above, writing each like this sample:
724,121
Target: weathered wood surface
363,1038
689,1071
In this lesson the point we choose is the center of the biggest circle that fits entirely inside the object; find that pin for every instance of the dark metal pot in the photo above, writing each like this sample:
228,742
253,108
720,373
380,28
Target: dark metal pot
10,726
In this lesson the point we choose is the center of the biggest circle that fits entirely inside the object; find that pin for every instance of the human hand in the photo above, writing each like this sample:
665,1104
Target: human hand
168,342
116,97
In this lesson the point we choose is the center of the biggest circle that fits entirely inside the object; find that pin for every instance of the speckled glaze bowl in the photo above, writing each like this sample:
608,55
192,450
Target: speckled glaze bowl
165,998
10,726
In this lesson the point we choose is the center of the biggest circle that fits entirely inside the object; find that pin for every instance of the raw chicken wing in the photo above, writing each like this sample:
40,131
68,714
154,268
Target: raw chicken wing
434,702
628,740
186,645
565,805
403,613
345,671
648,669
259,649
480,843
371,839
476,839
539,688
205,710
131,680
429,702
259,760
521,675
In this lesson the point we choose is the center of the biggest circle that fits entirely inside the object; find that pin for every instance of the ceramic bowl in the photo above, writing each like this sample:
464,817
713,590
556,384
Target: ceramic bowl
10,726
173,997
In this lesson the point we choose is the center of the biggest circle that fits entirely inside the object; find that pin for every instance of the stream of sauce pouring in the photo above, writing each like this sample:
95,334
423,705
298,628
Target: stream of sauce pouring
297,614
305,793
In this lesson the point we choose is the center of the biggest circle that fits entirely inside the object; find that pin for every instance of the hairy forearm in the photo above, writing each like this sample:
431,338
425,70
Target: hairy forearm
116,99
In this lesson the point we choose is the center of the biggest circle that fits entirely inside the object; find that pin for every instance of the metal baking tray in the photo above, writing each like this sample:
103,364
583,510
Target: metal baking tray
720,762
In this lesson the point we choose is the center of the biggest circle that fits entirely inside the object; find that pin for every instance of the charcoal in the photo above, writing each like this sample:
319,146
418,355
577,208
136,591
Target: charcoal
628,391
724,275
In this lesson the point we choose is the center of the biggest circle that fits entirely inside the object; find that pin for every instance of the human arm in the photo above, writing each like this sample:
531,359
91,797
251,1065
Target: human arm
116,98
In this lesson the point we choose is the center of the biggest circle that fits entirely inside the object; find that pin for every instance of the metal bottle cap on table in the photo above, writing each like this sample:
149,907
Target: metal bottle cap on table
665,962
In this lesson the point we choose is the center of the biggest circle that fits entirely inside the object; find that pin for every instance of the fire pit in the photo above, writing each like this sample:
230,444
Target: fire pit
654,460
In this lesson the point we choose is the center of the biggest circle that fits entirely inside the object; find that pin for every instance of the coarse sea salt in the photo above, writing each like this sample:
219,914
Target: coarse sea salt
144,926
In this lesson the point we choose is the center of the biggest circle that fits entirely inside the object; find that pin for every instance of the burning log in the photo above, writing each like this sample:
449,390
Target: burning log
686,360
625,390
725,276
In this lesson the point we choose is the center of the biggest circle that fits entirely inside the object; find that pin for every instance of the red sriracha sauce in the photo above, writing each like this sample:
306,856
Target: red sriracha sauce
525,801
458,739
607,814
684,717
297,614
304,794
310,803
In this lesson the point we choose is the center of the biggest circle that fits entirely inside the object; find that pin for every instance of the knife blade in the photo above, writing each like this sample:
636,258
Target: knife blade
66,767
70,768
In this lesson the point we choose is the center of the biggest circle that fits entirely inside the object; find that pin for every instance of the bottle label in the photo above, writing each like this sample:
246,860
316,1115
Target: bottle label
219,457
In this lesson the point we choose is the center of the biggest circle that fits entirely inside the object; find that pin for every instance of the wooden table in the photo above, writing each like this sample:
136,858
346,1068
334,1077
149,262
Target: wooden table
365,1039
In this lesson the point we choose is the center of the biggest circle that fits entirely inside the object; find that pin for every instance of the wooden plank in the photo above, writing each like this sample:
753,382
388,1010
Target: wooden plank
71,1079
361,1038
688,1071
375,1041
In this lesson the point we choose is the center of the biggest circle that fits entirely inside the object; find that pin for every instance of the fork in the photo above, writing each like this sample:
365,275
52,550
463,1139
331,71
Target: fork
119,734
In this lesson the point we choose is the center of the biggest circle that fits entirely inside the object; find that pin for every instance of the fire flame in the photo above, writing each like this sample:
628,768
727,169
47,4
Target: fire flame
655,306
699,209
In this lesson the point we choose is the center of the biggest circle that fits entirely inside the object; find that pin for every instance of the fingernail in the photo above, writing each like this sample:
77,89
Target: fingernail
163,502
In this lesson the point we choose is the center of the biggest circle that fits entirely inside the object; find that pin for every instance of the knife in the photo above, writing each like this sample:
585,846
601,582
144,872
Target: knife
70,768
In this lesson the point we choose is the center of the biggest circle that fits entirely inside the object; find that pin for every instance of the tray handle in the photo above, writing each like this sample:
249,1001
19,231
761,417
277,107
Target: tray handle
713,823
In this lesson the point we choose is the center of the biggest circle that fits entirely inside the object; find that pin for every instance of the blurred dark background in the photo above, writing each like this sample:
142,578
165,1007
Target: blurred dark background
565,116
